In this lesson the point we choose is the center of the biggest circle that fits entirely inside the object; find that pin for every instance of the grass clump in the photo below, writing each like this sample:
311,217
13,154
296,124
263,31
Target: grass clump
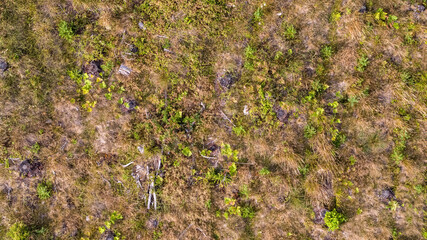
18,231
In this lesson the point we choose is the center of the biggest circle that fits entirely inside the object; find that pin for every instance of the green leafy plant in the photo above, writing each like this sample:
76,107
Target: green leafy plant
244,191
326,52
400,145
362,63
44,190
335,16
227,151
250,58
65,31
239,130
334,219
18,231
264,171
114,217
290,31
248,212
393,205
309,131
384,19
186,151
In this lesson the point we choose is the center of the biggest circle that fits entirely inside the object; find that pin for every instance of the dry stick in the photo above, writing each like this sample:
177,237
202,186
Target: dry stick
207,156
225,116
126,165
201,232
154,196
185,230
149,191
105,180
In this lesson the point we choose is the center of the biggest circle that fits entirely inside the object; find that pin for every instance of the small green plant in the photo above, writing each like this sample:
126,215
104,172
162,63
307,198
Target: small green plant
239,130
250,58
186,151
352,100
227,151
393,205
362,63
290,32
335,16
248,212
35,148
258,14
65,31
264,171
114,217
244,191
309,131
44,190
232,170
400,145
383,19
18,231
334,219
334,106
232,208
217,176
326,52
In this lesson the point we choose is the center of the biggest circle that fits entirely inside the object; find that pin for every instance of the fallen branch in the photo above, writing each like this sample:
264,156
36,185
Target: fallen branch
127,165
185,230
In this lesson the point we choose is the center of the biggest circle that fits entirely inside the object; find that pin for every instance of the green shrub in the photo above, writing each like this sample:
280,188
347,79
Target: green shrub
326,52
309,131
65,31
290,32
362,63
44,190
334,219
18,231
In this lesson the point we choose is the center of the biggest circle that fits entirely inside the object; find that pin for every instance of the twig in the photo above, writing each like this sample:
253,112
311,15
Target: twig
207,156
105,180
225,116
185,230
245,163
200,230
127,165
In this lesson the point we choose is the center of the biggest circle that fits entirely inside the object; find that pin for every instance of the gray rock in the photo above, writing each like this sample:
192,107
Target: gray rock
3,65
133,48
229,79
319,215
124,70
30,168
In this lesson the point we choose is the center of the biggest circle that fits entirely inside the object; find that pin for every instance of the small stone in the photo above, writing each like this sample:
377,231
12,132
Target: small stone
124,70
363,9
3,65
141,26
245,110
141,149
93,68
133,48
229,79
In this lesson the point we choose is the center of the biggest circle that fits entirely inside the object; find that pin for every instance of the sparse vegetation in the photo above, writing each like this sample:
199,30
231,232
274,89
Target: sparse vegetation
212,119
